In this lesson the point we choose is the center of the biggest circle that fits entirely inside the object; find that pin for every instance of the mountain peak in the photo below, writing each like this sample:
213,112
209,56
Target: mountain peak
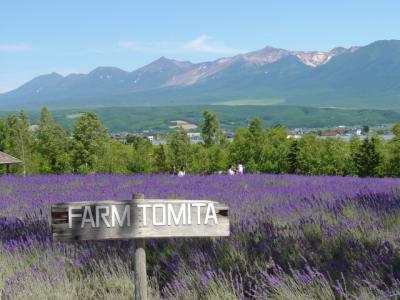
101,70
52,75
338,50
265,55
164,64
163,59
270,48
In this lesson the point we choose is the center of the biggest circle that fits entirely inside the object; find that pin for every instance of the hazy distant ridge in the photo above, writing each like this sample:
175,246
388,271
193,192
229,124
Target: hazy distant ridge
358,77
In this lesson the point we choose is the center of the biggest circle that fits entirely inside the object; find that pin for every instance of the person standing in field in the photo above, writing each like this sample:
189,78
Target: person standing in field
181,172
173,170
240,169
231,170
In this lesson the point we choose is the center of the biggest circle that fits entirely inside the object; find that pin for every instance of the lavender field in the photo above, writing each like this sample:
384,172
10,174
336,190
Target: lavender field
292,237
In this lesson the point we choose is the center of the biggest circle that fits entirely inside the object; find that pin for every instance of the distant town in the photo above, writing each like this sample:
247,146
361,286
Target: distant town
338,132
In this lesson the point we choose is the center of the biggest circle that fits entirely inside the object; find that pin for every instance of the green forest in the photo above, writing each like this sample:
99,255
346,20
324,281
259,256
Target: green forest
88,148
158,119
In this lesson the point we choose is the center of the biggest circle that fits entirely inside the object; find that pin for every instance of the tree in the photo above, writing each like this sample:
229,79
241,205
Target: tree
199,158
210,129
239,150
137,141
256,139
247,145
334,155
350,161
3,134
365,129
393,147
293,157
368,159
88,142
52,145
179,145
19,140
160,159
255,128
218,159
115,158
25,140
396,130
393,168
141,161
275,151
310,154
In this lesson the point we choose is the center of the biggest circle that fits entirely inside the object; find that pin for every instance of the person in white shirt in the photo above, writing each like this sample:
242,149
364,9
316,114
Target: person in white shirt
240,169
181,172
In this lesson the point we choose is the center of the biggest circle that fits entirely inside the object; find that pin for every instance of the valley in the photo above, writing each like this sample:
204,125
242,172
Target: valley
163,119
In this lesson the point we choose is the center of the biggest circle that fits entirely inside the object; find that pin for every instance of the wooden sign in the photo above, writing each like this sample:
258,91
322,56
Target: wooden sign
138,218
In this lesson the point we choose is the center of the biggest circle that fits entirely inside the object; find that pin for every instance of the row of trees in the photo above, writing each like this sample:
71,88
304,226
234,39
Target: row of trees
89,149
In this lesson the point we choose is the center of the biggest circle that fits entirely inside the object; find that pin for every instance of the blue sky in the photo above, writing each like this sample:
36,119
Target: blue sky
38,37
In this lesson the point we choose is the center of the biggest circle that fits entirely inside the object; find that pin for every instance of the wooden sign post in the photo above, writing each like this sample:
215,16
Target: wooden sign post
140,271
138,219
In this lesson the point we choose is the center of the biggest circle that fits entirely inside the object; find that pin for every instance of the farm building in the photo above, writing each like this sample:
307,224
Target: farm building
7,160
332,133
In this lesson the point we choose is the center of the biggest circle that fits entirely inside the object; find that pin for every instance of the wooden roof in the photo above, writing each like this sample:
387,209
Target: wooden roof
6,159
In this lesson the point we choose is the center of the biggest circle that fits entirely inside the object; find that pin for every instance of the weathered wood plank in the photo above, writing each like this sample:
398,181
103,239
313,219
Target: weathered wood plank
139,218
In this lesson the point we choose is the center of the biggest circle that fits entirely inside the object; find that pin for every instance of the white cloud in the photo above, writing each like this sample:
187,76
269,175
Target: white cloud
130,45
201,44
205,43
20,47
153,47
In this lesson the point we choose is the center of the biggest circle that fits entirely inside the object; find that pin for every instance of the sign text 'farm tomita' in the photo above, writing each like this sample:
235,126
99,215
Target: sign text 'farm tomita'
138,218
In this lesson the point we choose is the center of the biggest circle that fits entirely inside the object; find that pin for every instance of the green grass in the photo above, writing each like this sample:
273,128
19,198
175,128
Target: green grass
251,102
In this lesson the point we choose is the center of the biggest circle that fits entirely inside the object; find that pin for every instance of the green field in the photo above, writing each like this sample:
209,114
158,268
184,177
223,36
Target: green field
135,119
259,102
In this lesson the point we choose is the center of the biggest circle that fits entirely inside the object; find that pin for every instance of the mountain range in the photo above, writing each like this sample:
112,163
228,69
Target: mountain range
356,77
